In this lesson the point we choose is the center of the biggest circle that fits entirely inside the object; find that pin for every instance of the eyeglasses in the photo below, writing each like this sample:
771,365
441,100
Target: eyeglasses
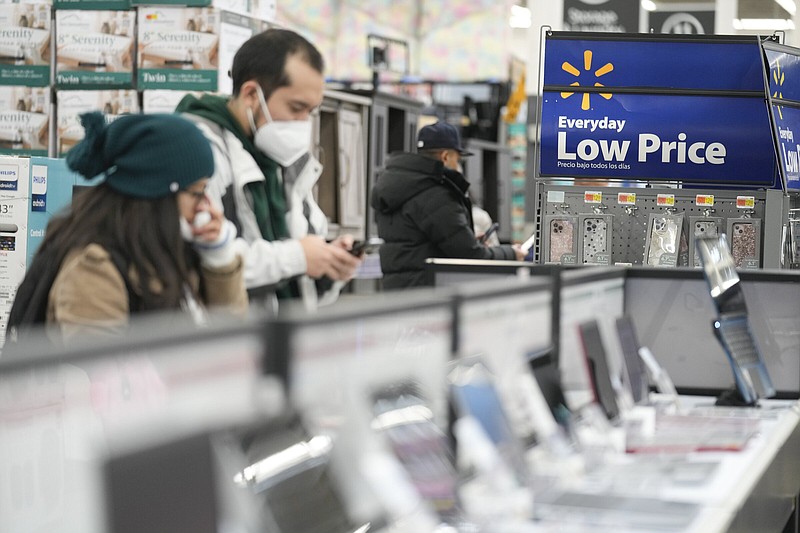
197,196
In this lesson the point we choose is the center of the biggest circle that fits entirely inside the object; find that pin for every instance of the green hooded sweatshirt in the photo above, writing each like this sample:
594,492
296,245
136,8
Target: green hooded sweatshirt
269,200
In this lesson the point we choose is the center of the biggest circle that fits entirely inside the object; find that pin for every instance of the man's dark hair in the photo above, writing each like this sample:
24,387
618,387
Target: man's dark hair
263,58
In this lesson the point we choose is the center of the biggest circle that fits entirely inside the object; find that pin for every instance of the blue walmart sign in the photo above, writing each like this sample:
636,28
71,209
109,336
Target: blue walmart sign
632,136
656,62
784,88
784,71
653,109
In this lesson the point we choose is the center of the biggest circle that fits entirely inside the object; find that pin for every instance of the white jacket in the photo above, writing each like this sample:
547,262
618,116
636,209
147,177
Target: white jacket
266,263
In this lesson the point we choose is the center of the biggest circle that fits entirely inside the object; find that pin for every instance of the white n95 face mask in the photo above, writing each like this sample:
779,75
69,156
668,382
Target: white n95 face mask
200,219
283,141
186,229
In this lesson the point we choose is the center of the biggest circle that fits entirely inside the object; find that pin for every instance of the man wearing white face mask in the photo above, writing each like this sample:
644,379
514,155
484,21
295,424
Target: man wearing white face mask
264,173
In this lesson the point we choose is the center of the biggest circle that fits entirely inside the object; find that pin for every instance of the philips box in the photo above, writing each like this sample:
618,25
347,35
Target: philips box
51,192
25,44
71,104
94,49
178,48
14,178
24,120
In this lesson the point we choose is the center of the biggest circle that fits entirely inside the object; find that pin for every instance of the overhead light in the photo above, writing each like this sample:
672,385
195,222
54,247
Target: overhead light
520,17
763,24
648,5
788,5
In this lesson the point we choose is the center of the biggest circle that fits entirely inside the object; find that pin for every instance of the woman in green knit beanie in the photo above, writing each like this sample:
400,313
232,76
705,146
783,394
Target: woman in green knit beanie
144,239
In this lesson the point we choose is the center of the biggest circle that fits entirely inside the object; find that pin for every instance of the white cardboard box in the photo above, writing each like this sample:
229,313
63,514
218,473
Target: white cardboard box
25,42
94,49
163,101
71,104
178,48
191,48
24,120
235,29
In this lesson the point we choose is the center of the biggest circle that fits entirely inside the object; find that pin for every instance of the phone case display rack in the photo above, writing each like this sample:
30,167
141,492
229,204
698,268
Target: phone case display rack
793,230
596,224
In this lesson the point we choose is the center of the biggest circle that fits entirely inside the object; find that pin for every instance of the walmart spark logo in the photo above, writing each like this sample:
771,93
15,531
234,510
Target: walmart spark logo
778,77
587,66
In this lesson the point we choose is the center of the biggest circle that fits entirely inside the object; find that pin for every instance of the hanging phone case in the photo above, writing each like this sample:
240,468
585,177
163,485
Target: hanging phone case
663,239
794,245
595,242
745,238
701,227
560,244
562,235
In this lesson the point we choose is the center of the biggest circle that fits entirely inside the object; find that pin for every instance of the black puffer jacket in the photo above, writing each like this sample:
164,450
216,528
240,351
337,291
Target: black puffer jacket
423,211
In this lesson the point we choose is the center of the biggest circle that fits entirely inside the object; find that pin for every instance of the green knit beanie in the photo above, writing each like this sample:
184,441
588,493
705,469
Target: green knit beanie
144,156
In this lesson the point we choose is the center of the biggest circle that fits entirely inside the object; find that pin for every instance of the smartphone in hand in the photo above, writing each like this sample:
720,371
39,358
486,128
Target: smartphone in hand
494,227
369,246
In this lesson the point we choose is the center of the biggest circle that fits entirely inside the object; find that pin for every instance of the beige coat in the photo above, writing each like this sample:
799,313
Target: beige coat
89,295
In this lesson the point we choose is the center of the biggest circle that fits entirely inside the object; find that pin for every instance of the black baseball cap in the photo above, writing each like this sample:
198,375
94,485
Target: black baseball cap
440,136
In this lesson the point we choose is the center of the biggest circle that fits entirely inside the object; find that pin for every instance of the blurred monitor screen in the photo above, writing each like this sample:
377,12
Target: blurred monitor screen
503,323
344,357
63,411
587,294
678,331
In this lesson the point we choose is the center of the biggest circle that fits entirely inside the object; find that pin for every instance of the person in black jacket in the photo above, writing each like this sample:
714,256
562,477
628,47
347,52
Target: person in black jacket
423,210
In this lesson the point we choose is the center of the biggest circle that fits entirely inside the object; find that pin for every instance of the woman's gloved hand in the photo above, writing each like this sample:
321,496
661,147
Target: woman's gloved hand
213,238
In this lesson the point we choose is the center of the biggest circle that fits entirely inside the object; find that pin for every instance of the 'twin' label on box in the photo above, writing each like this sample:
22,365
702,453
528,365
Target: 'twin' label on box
9,177
188,80
39,188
